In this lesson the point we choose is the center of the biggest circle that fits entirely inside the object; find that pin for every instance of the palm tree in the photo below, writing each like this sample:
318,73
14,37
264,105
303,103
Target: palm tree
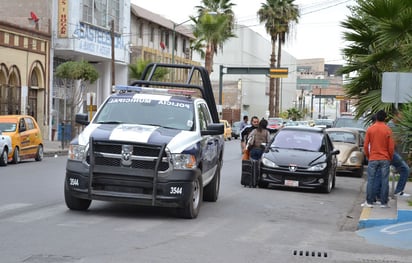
379,37
213,27
136,70
279,17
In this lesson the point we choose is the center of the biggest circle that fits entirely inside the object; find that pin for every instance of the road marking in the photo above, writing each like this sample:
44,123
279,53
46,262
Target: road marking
9,207
366,212
397,228
38,214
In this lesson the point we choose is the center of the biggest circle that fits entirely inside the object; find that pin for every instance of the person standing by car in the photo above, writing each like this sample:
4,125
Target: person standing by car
379,148
254,123
256,138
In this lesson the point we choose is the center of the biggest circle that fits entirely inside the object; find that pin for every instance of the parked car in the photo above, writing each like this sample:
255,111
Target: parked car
350,144
25,137
5,147
299,157
275,123
349,121
324,123
236,129
228,130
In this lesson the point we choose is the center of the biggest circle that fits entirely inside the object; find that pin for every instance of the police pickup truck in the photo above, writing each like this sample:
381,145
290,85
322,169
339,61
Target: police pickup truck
152,143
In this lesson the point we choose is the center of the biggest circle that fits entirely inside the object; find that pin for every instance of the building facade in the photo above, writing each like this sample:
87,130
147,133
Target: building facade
319,89
24,72
249,93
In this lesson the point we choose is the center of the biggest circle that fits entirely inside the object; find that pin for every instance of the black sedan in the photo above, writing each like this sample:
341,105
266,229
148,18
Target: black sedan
299,157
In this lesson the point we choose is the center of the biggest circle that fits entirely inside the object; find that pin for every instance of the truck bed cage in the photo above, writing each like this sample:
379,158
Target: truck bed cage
205,89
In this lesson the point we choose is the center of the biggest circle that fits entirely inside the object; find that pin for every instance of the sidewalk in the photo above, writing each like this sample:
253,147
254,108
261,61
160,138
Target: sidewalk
52,148
398,212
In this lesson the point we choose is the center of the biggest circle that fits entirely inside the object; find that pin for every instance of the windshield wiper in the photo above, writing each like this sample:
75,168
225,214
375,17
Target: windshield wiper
301,149
110,122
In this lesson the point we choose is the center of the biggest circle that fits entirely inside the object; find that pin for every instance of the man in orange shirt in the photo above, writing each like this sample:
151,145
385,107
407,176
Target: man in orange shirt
379,147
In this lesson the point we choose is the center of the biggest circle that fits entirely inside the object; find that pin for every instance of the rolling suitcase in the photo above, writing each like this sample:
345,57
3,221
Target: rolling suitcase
250,172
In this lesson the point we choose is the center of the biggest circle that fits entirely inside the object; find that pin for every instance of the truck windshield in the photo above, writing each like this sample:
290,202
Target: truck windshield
147,111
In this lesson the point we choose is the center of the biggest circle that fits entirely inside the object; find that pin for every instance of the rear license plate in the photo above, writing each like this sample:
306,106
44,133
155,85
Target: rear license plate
292,183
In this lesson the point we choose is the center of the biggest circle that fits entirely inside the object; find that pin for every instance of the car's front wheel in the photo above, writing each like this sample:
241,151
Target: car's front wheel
328,184
3,157
192,207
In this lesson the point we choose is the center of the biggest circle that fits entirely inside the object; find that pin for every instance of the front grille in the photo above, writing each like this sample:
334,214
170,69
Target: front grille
126,167
144,156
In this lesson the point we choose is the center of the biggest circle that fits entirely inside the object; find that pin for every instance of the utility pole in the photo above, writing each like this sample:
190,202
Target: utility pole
113,69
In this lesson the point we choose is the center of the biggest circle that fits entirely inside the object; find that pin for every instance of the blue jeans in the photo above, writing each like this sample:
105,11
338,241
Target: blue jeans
378,170
402,168
256,153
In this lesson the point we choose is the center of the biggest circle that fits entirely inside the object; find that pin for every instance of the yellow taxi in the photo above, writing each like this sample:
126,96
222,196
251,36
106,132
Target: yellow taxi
228,130
25,137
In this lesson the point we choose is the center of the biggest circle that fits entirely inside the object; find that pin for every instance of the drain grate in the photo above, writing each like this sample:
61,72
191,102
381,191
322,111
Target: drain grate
307,253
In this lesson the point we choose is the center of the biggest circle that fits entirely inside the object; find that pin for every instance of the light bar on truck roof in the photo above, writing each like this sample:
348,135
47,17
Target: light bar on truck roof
162,91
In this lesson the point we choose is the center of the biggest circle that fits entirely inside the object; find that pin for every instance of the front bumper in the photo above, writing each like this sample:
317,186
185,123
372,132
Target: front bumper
130,186
298,179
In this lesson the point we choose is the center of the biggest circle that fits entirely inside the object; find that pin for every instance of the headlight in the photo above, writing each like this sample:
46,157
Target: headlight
268,163
183,161
354,159
317,167
77,152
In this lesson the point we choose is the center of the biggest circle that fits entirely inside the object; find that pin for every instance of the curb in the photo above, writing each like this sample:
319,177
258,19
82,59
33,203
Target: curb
403,214
54,153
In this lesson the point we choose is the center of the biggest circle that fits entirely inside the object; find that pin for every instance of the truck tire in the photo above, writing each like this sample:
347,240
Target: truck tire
192,207
211,191
74,203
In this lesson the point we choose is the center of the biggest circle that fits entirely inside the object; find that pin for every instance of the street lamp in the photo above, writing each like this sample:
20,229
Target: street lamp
174,38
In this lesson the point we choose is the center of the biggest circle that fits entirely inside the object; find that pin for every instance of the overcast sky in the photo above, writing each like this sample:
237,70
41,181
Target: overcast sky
317,35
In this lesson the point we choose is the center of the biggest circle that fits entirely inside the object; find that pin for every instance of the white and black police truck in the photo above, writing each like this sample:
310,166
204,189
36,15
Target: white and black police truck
152,143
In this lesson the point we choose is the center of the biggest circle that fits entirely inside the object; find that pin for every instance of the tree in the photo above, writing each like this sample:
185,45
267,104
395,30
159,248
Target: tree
136,70
82,71
379,37
294,114
279,17
213,26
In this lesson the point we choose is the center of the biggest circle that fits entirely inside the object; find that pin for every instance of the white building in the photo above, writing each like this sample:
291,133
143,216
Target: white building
86,30
250,49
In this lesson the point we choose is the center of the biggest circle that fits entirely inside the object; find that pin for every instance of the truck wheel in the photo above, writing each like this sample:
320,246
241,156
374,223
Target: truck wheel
40,153
75,203
3,158
192,207
211,191
16,155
